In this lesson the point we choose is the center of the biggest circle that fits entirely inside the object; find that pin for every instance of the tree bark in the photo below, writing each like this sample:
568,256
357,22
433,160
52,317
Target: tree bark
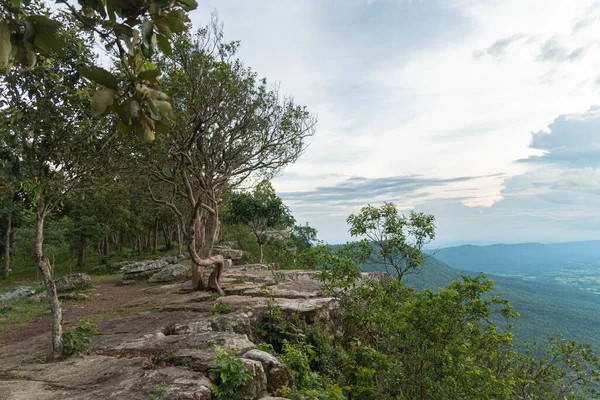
179,239
81,252
155,244
260,253
6,268
44,267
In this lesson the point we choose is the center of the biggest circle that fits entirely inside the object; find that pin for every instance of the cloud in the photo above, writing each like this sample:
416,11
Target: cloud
573,140
499,47
365,188
552,50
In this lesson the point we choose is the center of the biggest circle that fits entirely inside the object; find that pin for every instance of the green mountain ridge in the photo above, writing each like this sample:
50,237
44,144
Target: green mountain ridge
545,308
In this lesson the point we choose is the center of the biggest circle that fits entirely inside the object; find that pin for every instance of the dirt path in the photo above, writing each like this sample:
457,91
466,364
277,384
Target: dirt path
107,297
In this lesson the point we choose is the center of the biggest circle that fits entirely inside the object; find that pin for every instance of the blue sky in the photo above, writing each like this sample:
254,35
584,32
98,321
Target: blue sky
480,112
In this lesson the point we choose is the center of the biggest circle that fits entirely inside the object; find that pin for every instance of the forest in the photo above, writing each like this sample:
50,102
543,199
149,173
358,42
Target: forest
170,151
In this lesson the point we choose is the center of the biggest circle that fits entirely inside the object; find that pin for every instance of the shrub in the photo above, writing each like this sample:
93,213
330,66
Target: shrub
80,339
230,374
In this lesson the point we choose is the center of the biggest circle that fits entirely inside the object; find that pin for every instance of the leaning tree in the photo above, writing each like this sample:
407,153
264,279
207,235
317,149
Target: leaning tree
229,126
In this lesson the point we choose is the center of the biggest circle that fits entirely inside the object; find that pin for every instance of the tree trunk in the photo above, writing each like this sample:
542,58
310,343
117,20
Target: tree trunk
81,253
179,239
44,267
106,246
155,244
260,253
6,269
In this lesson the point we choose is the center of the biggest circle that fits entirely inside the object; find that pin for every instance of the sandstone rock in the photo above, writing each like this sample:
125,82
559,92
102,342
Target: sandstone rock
227,252
73,296
159,342
302,289
17,293
142,269
278,374
73,282
100,377
236,323
186,328
256,387
170,273
233,323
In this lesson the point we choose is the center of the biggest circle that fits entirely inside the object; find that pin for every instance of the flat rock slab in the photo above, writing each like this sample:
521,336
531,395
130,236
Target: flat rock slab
102,377
303,289
159,342
17,293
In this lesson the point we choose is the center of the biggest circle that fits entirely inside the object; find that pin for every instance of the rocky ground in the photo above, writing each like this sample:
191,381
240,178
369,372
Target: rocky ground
160,339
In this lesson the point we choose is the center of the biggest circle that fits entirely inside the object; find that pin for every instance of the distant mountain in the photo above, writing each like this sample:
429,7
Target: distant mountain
546,309
521,259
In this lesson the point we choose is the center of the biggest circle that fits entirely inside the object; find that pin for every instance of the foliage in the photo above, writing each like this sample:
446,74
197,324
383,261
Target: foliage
396,240
221,307
273,327
80,339
161,392
260,210
230,374
130,30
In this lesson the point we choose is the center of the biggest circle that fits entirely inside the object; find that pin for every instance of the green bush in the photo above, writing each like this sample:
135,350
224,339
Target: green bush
230,375
221,307
80,339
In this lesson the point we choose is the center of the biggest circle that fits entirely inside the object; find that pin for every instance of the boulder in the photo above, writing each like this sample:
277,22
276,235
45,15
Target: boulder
170,273
227,252
256,387
232,323
17,293
73,282
142,269
278,374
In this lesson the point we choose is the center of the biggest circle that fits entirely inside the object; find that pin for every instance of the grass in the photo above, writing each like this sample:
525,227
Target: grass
24,270
21,312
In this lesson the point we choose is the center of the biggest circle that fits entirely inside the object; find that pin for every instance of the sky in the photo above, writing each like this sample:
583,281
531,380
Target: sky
483,113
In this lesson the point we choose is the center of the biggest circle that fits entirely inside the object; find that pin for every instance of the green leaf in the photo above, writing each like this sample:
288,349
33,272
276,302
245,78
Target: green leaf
101,100
44,25
123,128
147,32
166,110
150,75
164,45
176,20
144,132
100,76
154,111
188,5
16,3
49,43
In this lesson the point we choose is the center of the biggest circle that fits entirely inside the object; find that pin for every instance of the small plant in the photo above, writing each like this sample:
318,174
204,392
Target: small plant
162,359
161,392
272,328
80,339
221,307
230,374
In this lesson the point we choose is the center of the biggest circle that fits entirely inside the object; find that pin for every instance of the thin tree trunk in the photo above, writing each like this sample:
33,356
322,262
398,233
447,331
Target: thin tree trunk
155,244
6,269
106,246
179,239
81,252
260,253
44,267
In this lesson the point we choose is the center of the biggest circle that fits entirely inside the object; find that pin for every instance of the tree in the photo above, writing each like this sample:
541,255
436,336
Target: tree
229,126
130,31
260,210
53,141
396,241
